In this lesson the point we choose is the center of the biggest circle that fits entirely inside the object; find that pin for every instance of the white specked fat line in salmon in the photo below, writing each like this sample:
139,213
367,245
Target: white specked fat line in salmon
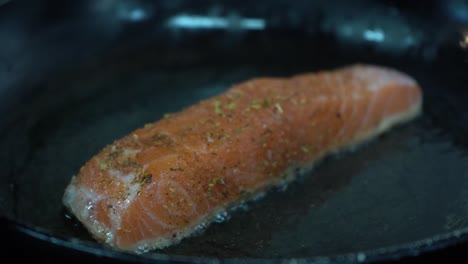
159,184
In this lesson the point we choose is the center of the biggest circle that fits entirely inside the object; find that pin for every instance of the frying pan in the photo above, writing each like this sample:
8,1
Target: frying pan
76,75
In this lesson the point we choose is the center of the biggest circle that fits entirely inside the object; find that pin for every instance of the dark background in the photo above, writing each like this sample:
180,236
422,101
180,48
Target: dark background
39,38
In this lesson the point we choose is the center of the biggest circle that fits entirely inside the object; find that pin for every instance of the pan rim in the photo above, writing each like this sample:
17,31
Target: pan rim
389,253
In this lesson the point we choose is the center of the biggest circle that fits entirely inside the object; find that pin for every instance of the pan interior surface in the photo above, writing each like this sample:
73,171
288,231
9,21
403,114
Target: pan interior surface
406,185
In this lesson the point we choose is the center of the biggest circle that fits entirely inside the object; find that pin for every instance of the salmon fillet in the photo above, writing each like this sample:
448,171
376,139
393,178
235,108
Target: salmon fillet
160,183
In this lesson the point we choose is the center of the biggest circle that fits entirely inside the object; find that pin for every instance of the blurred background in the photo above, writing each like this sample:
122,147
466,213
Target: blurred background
77,30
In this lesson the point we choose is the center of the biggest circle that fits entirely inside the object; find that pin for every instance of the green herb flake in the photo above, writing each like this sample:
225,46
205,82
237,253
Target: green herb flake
103,165
209,138
256,105
143,178
279,108
129,163
115,153
231,106
176,169
217,107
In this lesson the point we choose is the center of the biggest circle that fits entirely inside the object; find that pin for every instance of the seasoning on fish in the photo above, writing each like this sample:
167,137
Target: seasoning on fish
158,184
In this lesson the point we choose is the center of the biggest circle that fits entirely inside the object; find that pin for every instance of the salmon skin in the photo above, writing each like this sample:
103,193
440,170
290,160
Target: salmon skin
160,183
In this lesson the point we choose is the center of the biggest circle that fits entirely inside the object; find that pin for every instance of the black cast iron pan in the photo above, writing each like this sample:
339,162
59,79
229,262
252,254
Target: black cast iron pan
76,76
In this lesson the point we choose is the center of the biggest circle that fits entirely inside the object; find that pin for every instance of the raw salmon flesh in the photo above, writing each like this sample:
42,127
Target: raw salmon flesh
160,183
